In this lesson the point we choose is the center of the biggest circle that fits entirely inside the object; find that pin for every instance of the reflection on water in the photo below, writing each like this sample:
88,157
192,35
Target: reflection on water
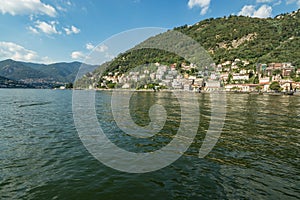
41,156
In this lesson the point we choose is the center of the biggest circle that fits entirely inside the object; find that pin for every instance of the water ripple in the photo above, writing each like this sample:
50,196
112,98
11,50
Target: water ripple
41,156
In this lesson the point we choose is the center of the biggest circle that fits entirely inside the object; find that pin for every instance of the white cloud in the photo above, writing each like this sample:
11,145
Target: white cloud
16,52
102,48
89,46
247,10
264,1
277,3
75,29
109,56
293,1
26,7
68,31
10,50
72,30
263,12
33,30
77,55
48,28
203,4
61,9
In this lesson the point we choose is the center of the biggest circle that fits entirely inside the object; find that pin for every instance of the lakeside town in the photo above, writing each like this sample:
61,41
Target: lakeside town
230,76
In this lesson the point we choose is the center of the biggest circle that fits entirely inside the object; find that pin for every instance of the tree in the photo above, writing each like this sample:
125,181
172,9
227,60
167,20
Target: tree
275,86
230,77
276,72
111,85
293,74
251,74
69,85
256,80
258,88
235,88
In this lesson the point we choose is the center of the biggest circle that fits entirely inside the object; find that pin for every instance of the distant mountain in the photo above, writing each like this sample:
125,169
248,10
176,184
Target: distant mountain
250,39
41,75
18,70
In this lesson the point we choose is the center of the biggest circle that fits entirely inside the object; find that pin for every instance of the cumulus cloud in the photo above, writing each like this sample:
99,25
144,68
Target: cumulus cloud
77,55
293,1
264,1
10,50
247,10
89,46
72,30
16,52
26,7
264,11
102,48
33,30
109,56
45,27
203,4
277,3
50,28
60,8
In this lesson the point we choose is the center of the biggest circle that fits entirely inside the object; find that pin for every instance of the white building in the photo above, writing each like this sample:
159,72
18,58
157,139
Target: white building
126,86
177,85
153,76
187,87
264,80
244,77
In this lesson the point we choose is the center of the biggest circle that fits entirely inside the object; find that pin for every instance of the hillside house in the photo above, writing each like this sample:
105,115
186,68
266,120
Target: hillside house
261,68
242,77
224,77
286,85
264,80
212,85
286,72
273,67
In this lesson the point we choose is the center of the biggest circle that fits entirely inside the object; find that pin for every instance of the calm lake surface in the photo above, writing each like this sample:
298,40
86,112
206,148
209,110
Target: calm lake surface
42,157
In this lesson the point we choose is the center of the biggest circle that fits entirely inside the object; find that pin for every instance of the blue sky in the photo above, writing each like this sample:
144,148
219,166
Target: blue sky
48,31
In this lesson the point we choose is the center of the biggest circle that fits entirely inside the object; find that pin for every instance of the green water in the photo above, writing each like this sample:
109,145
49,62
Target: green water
42,157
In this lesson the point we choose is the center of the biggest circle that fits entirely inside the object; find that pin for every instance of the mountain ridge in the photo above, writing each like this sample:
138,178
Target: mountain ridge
41,75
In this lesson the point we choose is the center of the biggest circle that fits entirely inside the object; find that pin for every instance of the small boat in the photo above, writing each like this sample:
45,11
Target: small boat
291,92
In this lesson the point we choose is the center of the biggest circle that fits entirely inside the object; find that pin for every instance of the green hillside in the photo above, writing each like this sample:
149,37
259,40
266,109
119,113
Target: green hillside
253,39
250,39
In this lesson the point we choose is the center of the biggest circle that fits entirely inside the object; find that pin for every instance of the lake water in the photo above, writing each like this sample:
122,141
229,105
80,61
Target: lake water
42,157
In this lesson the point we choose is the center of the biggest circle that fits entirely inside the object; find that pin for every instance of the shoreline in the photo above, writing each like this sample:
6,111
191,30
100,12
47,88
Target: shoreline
168,90
202,92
